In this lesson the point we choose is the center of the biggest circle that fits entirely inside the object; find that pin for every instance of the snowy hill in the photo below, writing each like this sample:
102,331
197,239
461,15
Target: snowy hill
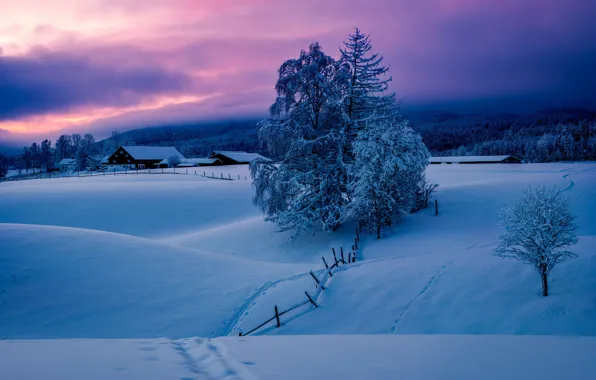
150,256
379,357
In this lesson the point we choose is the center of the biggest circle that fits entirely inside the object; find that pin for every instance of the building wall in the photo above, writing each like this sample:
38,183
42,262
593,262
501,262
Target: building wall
225,160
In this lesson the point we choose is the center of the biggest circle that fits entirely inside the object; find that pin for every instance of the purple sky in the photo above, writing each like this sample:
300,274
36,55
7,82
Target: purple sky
99,65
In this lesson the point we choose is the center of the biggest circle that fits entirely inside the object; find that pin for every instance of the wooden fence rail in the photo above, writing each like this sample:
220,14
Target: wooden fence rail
125,172
319,283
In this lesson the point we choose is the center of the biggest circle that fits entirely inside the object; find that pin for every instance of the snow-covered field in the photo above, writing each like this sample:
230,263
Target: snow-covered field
150,256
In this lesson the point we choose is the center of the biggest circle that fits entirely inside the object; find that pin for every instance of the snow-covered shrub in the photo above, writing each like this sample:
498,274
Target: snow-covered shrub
538,229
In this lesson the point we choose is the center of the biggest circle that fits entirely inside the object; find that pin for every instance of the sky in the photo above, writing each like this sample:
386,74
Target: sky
102,65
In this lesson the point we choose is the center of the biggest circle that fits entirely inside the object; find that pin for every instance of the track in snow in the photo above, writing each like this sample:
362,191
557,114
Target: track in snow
571,183
210,360
422,292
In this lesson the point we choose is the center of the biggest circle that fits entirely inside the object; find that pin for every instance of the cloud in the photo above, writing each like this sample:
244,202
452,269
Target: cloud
461,53
52,83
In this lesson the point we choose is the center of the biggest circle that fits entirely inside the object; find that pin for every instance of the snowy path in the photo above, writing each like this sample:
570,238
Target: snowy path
426,288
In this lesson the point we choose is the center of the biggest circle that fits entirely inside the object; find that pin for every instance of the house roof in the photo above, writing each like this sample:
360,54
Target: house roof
105,160
67,161
192,161
152,152
238,156
469,159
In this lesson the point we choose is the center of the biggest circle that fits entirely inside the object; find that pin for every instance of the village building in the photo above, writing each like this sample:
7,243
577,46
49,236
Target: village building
506,159
192,162
142,157
67,164
236,158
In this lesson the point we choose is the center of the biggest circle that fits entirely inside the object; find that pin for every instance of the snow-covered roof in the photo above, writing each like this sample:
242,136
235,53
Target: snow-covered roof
238,156
67,161
152,152
469,159
191,161
105,160
200,161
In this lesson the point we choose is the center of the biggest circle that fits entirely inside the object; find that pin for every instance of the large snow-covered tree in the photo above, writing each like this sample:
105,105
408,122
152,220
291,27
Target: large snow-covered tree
306,135
538,229
334,131
390,160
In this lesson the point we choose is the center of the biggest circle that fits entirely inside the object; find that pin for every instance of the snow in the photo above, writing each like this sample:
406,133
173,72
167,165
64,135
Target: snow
67,161
152,152
468,159
239,156
152,256
412,357
60,282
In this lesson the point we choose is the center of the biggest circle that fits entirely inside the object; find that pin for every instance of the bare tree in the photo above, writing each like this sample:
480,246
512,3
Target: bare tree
173,161
538,228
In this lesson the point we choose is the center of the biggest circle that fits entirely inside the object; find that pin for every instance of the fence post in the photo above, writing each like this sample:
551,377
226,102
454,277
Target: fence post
310,299
221,175
238,176
357,235
186,171
334,256
212,175
436,207
327,266
203,173
277,316
246,178
317,280
356,243
341,249
354,258
195,172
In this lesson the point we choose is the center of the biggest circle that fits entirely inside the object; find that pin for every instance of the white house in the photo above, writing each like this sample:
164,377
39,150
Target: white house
67,164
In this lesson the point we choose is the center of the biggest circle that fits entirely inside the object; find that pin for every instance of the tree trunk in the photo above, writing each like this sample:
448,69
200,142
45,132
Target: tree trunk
544,277
378,230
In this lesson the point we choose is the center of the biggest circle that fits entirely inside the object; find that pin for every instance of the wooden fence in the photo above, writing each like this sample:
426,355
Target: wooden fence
214,175
320,282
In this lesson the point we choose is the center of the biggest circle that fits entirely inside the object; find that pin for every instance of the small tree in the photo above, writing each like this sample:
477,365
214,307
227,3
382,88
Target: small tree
173,161
538,228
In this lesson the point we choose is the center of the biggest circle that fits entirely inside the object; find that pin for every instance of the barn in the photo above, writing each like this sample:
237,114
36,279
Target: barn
236,157
192,162
506,159
142,157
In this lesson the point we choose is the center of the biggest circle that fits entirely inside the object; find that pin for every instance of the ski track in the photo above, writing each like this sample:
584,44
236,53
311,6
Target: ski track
188,360
210,360
242,311
571,183
425,289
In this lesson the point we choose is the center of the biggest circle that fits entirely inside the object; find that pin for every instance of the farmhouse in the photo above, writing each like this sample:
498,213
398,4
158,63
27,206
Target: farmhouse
236,158
507,159
142,157
67,164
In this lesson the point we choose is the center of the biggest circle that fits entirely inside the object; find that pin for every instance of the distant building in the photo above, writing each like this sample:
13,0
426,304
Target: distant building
192,162
236,158
508,159
142,157
67,164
